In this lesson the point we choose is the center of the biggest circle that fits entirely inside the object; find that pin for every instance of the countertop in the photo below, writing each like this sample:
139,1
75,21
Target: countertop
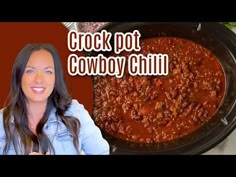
226,147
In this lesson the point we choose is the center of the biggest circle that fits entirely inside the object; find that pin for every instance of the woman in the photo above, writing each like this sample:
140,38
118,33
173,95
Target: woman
41,118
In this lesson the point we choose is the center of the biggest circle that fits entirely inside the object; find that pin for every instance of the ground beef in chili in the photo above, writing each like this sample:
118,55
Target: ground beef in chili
148,109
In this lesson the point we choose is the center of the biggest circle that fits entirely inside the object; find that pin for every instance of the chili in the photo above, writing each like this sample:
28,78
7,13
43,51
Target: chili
148,109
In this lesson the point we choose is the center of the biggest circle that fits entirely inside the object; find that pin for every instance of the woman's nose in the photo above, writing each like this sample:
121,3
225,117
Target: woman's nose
38,77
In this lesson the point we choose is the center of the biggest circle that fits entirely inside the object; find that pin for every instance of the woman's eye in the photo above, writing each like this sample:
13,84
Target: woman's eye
49,72
28,71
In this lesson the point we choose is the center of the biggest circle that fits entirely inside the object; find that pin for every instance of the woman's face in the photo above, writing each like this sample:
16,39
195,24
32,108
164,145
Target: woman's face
38,79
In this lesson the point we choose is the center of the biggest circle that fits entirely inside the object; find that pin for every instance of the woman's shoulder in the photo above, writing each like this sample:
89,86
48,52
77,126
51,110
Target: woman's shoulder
78,111
75,108
75,105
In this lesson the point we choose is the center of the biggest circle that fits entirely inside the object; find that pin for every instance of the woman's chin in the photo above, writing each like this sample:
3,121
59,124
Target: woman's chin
37,100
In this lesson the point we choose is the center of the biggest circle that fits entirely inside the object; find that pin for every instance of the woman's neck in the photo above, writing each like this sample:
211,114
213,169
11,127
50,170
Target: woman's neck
35,113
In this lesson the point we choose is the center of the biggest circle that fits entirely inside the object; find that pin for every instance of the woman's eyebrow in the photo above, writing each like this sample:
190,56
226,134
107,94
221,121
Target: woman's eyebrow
30,67
49,67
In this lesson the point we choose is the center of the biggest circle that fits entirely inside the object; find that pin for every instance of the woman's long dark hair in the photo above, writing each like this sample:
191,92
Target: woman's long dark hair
20,135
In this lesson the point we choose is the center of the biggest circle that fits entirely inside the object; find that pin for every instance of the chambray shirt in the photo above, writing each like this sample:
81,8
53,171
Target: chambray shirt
91,141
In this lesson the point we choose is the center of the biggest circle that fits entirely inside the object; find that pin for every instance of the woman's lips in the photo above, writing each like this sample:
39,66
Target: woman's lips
38,90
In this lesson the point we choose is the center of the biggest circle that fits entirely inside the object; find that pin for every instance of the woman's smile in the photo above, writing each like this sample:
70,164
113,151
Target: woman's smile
38,90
